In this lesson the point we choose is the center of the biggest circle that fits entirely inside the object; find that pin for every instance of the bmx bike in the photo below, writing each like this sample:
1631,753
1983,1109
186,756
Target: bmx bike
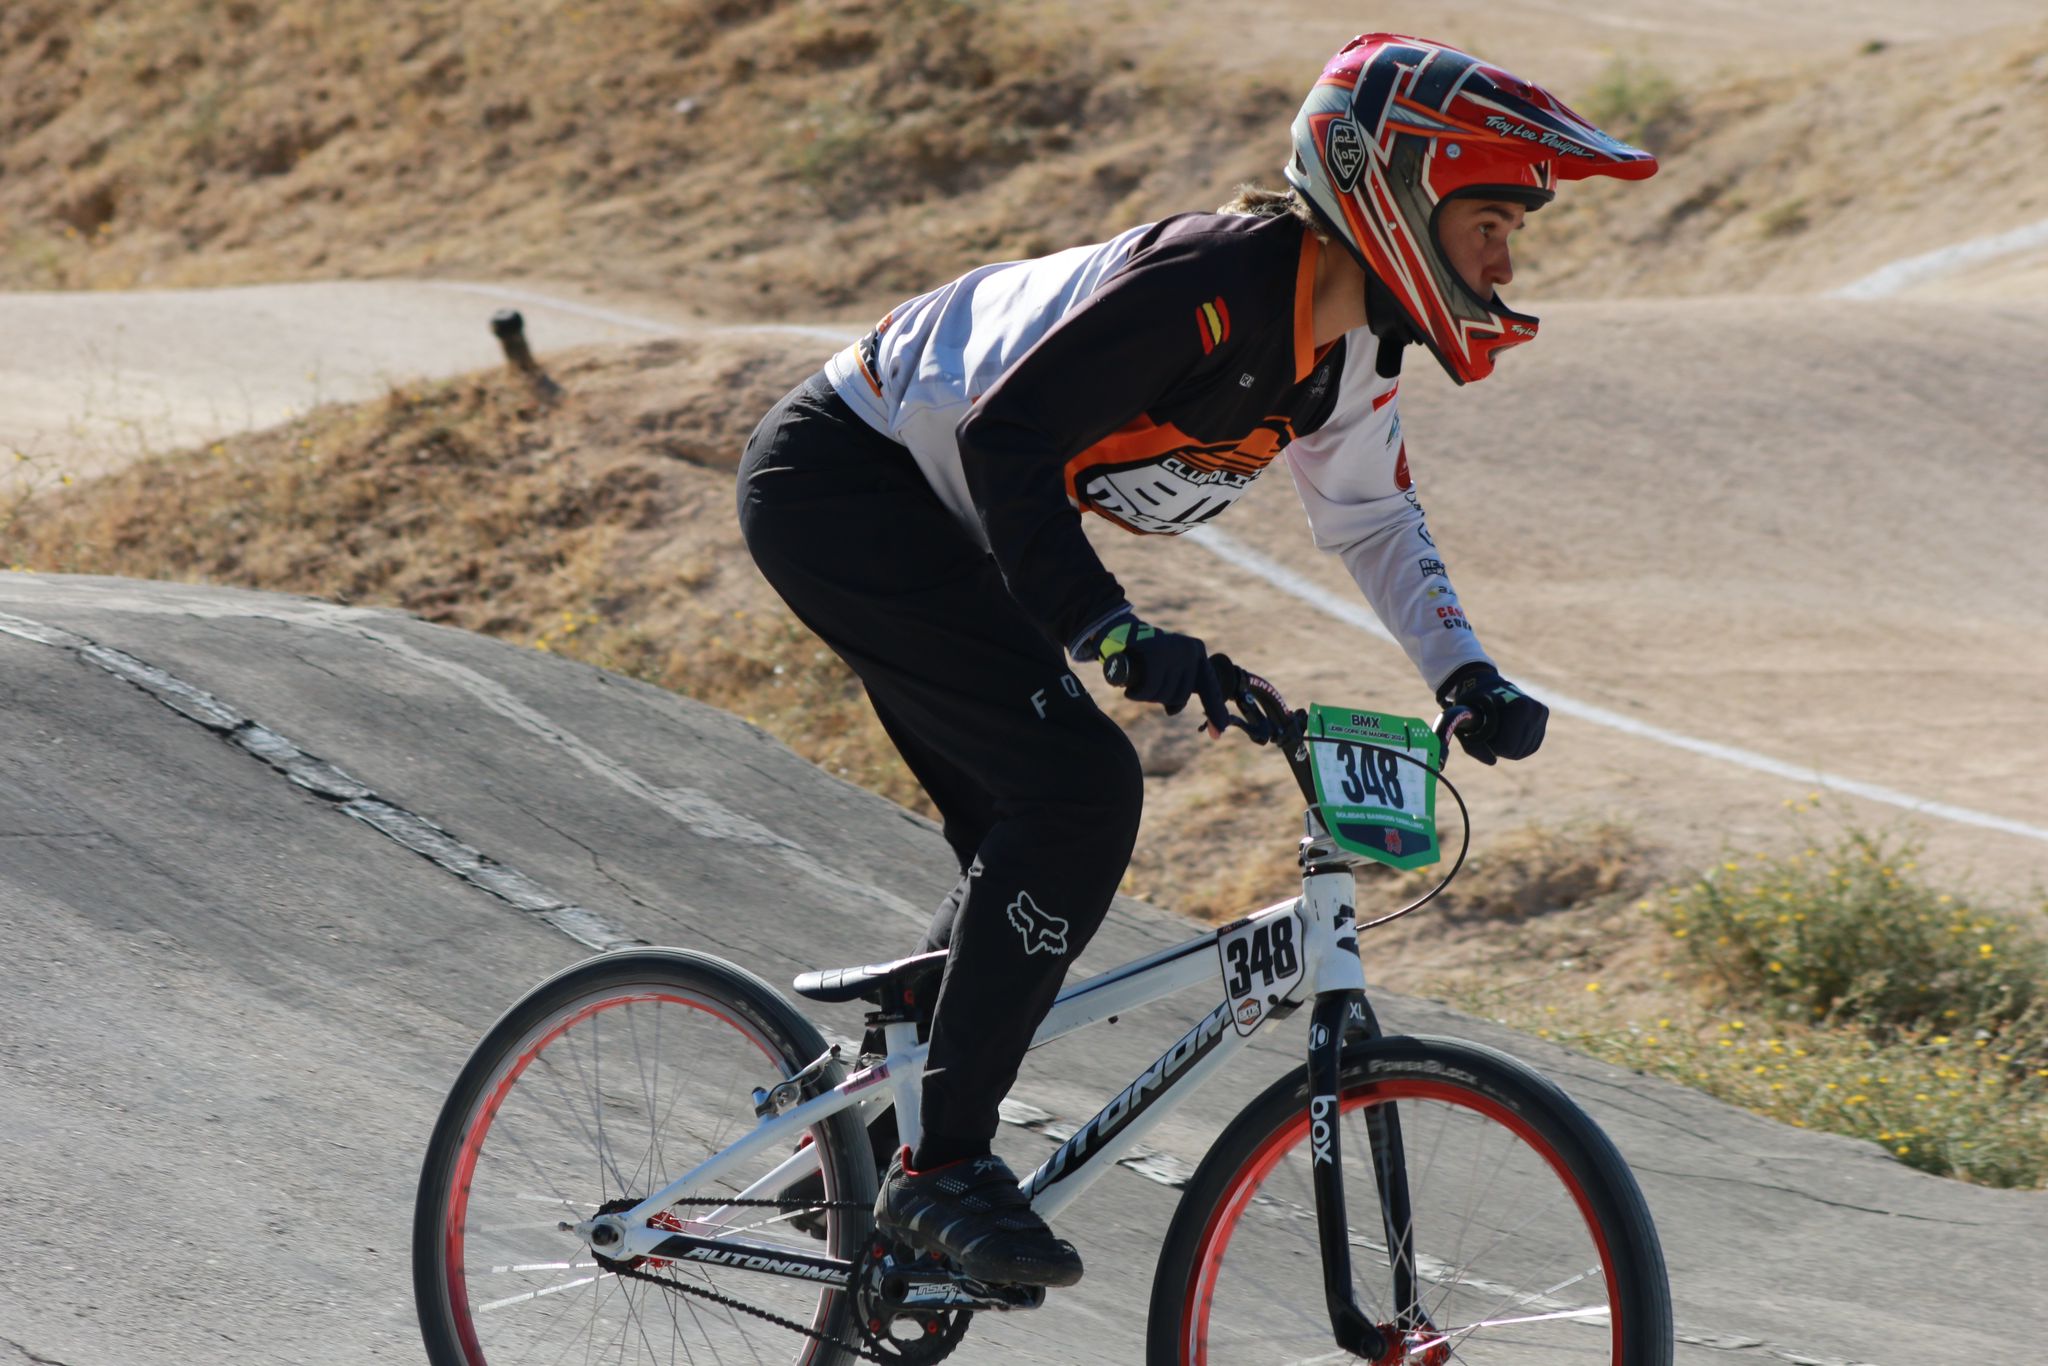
654,1157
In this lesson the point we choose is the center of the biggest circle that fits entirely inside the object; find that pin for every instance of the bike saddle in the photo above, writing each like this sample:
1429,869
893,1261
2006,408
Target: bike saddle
911,982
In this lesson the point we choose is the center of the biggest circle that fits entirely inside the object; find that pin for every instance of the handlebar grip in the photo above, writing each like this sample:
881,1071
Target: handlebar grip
1121,671
1228,674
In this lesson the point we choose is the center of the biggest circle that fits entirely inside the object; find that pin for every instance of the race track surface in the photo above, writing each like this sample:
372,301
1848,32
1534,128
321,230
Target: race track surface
234,1009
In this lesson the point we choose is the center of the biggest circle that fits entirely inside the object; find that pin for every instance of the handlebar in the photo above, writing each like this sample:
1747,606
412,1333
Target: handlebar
1263,714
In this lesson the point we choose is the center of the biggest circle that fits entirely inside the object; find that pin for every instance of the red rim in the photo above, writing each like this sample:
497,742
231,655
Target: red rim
1222,1223
473,1142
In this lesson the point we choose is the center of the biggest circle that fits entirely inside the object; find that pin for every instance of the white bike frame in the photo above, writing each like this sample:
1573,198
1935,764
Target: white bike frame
1320,921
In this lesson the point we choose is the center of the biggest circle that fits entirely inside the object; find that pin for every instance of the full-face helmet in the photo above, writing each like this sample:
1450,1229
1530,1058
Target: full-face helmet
1394,128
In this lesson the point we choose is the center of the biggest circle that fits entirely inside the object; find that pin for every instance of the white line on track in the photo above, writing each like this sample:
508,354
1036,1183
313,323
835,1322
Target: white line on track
1358,615
1931,265
1888,280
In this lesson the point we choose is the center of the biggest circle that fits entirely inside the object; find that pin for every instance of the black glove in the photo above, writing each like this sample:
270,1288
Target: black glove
1508,723
1152,665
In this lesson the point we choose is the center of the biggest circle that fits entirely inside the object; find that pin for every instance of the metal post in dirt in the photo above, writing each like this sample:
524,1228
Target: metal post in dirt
510,330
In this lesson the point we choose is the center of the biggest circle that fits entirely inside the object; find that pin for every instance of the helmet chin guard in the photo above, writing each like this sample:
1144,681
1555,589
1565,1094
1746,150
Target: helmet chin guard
1396,126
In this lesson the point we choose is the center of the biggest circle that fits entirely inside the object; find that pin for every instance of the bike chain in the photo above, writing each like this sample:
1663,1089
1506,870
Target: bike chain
701,1292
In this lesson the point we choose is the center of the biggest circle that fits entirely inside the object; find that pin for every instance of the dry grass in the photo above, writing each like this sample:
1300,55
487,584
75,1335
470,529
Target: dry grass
793,158
747,154
601,529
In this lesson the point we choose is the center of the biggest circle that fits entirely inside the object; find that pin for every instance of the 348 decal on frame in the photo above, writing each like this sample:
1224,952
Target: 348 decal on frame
1261,962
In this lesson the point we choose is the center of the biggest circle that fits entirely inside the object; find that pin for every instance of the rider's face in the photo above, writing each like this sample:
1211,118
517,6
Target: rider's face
1474,233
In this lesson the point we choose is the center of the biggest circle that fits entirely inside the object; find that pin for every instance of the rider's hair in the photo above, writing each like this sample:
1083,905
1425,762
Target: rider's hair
1254,201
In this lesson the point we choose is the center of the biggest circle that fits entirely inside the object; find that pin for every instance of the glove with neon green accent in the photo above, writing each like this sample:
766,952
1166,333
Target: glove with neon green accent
1510,723
1152,665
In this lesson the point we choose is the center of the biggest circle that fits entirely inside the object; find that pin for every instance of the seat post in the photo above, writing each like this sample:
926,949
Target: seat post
902,1005
905,1084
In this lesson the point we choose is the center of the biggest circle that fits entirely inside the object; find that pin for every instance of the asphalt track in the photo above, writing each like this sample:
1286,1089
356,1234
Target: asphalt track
233,1009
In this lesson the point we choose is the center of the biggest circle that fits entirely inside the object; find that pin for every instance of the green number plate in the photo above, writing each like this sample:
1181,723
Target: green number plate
1375,783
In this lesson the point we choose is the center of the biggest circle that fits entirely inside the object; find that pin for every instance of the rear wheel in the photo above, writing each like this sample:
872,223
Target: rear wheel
1527,1236
605,1083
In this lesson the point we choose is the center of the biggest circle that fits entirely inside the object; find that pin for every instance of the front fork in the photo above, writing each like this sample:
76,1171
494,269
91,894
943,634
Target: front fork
1355,1332
1341,1013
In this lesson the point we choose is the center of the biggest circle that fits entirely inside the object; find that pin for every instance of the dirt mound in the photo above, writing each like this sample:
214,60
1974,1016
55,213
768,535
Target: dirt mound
1806,179
805,158
758,156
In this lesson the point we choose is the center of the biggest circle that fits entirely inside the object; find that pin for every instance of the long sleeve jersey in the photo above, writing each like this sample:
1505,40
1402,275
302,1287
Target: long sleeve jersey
1149,380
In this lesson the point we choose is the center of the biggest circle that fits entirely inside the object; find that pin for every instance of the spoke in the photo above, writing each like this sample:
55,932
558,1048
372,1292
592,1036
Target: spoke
698,1319
676,1338
1454,1275
534,1294
1453,1278
633,1315
648,1164
572,1109
625,1293
597,1098
554,1127
1591,1312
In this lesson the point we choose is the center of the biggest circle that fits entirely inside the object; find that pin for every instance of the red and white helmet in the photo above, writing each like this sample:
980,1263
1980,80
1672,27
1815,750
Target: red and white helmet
1396,126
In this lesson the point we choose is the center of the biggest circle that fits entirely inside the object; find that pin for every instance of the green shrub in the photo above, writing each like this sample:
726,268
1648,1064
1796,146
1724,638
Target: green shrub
1835,990
1953,1104
1628,99
1851,935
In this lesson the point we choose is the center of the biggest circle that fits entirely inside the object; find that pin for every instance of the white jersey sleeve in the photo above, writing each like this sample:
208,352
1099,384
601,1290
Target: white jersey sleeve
1352,475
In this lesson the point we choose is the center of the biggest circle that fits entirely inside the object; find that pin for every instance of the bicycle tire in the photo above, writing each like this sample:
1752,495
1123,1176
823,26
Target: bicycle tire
535,1133
1537,1248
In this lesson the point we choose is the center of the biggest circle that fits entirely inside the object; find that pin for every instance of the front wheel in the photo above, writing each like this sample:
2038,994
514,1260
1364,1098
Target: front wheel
1525,1238
604,1084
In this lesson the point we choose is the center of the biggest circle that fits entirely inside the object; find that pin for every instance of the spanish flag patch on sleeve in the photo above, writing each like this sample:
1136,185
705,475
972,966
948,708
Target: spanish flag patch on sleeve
1214,319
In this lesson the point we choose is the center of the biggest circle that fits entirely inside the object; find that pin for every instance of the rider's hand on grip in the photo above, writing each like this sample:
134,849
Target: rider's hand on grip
1509,722
1152,665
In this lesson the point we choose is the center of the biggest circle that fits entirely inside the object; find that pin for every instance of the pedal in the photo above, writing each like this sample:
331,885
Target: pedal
913,1308
926,1284
1006,1297
901,1278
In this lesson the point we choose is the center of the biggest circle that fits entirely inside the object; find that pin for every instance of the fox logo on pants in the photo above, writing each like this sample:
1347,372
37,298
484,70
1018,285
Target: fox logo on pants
1043,932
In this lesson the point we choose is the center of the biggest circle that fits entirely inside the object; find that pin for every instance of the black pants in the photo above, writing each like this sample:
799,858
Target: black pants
1039,791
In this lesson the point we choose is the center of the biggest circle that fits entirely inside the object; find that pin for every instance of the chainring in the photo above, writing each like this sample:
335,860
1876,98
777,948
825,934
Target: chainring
893,1331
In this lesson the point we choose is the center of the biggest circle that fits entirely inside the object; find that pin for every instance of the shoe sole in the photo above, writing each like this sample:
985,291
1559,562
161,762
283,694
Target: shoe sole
919,1242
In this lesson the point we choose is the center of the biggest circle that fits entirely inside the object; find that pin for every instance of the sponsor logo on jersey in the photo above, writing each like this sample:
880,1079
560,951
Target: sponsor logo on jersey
1432,569
1214,320
1175,489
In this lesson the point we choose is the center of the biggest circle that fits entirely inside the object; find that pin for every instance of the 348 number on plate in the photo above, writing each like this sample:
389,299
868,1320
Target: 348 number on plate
1365,773
1261,961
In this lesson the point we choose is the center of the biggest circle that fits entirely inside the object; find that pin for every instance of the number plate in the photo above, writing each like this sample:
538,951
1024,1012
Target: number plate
1261,960
1376,783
